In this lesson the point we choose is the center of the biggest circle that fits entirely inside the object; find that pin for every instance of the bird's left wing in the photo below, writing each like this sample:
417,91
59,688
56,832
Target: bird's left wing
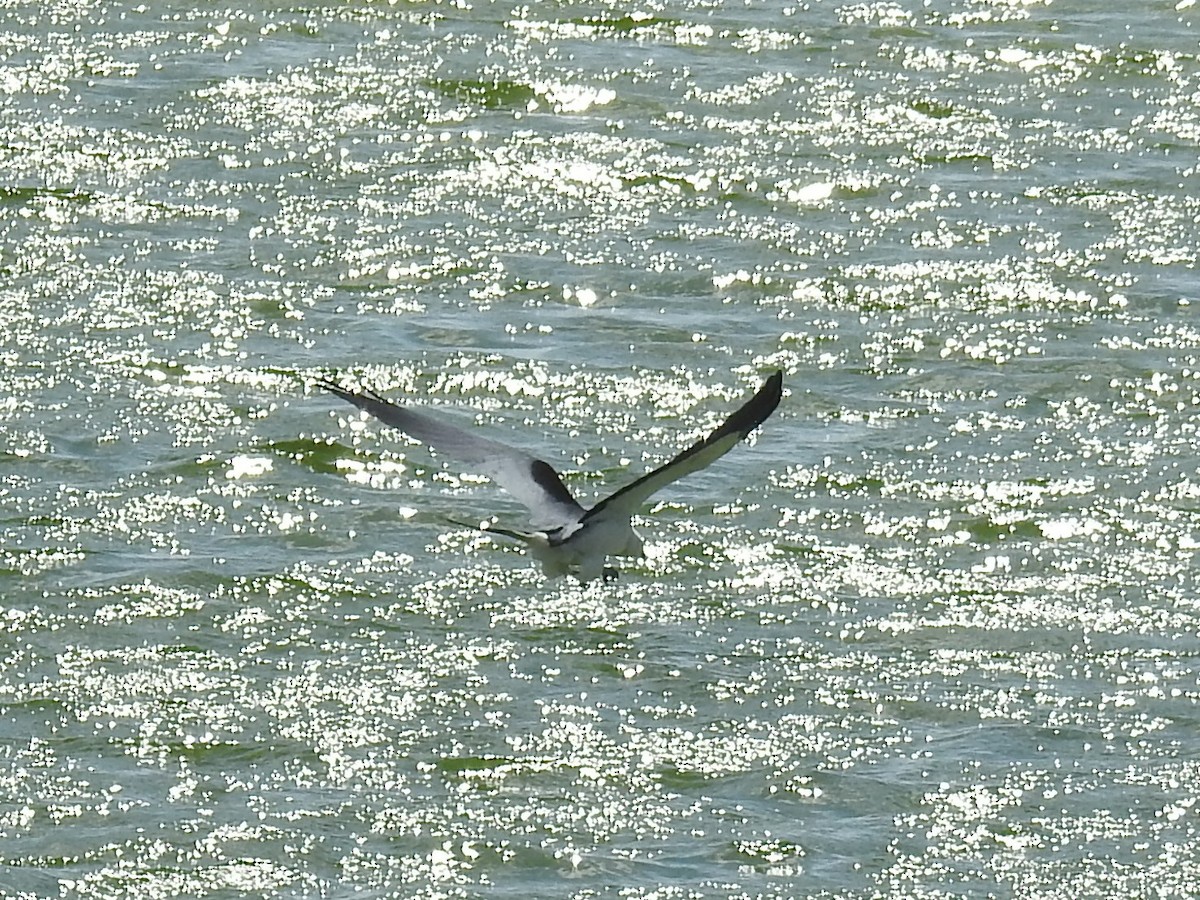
629,499
529,479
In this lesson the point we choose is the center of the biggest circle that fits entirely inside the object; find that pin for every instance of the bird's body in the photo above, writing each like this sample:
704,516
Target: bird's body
565,537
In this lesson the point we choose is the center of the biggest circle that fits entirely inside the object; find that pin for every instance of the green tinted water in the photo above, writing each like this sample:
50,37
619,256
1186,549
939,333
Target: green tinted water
933,633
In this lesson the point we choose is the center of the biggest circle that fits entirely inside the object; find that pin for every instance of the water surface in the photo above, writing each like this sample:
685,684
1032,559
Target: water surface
933,633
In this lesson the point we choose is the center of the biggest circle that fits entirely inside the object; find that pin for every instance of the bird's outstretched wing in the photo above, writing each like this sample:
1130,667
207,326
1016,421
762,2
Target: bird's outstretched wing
529,479
629,499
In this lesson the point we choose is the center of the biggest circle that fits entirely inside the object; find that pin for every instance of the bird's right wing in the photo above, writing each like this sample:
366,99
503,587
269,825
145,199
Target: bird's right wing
629,499
529,479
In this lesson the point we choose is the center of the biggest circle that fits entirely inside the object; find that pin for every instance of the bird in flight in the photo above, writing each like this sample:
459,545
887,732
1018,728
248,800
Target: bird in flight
565,537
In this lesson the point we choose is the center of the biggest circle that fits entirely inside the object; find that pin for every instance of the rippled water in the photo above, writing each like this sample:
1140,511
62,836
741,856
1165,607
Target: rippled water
934,633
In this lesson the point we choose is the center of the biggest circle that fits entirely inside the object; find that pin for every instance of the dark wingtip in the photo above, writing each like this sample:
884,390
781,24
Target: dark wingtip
773,386
756,410
358,398
752,413
330,385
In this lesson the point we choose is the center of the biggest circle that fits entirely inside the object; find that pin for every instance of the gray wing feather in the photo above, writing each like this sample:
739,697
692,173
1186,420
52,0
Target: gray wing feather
530,480
629,499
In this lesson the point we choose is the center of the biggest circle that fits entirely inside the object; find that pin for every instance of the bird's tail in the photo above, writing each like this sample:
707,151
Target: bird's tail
523,536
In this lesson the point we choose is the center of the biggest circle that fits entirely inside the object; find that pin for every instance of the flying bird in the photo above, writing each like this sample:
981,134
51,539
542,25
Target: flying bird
565,537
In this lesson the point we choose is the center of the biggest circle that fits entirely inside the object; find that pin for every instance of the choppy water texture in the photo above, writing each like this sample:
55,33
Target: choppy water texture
934,633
